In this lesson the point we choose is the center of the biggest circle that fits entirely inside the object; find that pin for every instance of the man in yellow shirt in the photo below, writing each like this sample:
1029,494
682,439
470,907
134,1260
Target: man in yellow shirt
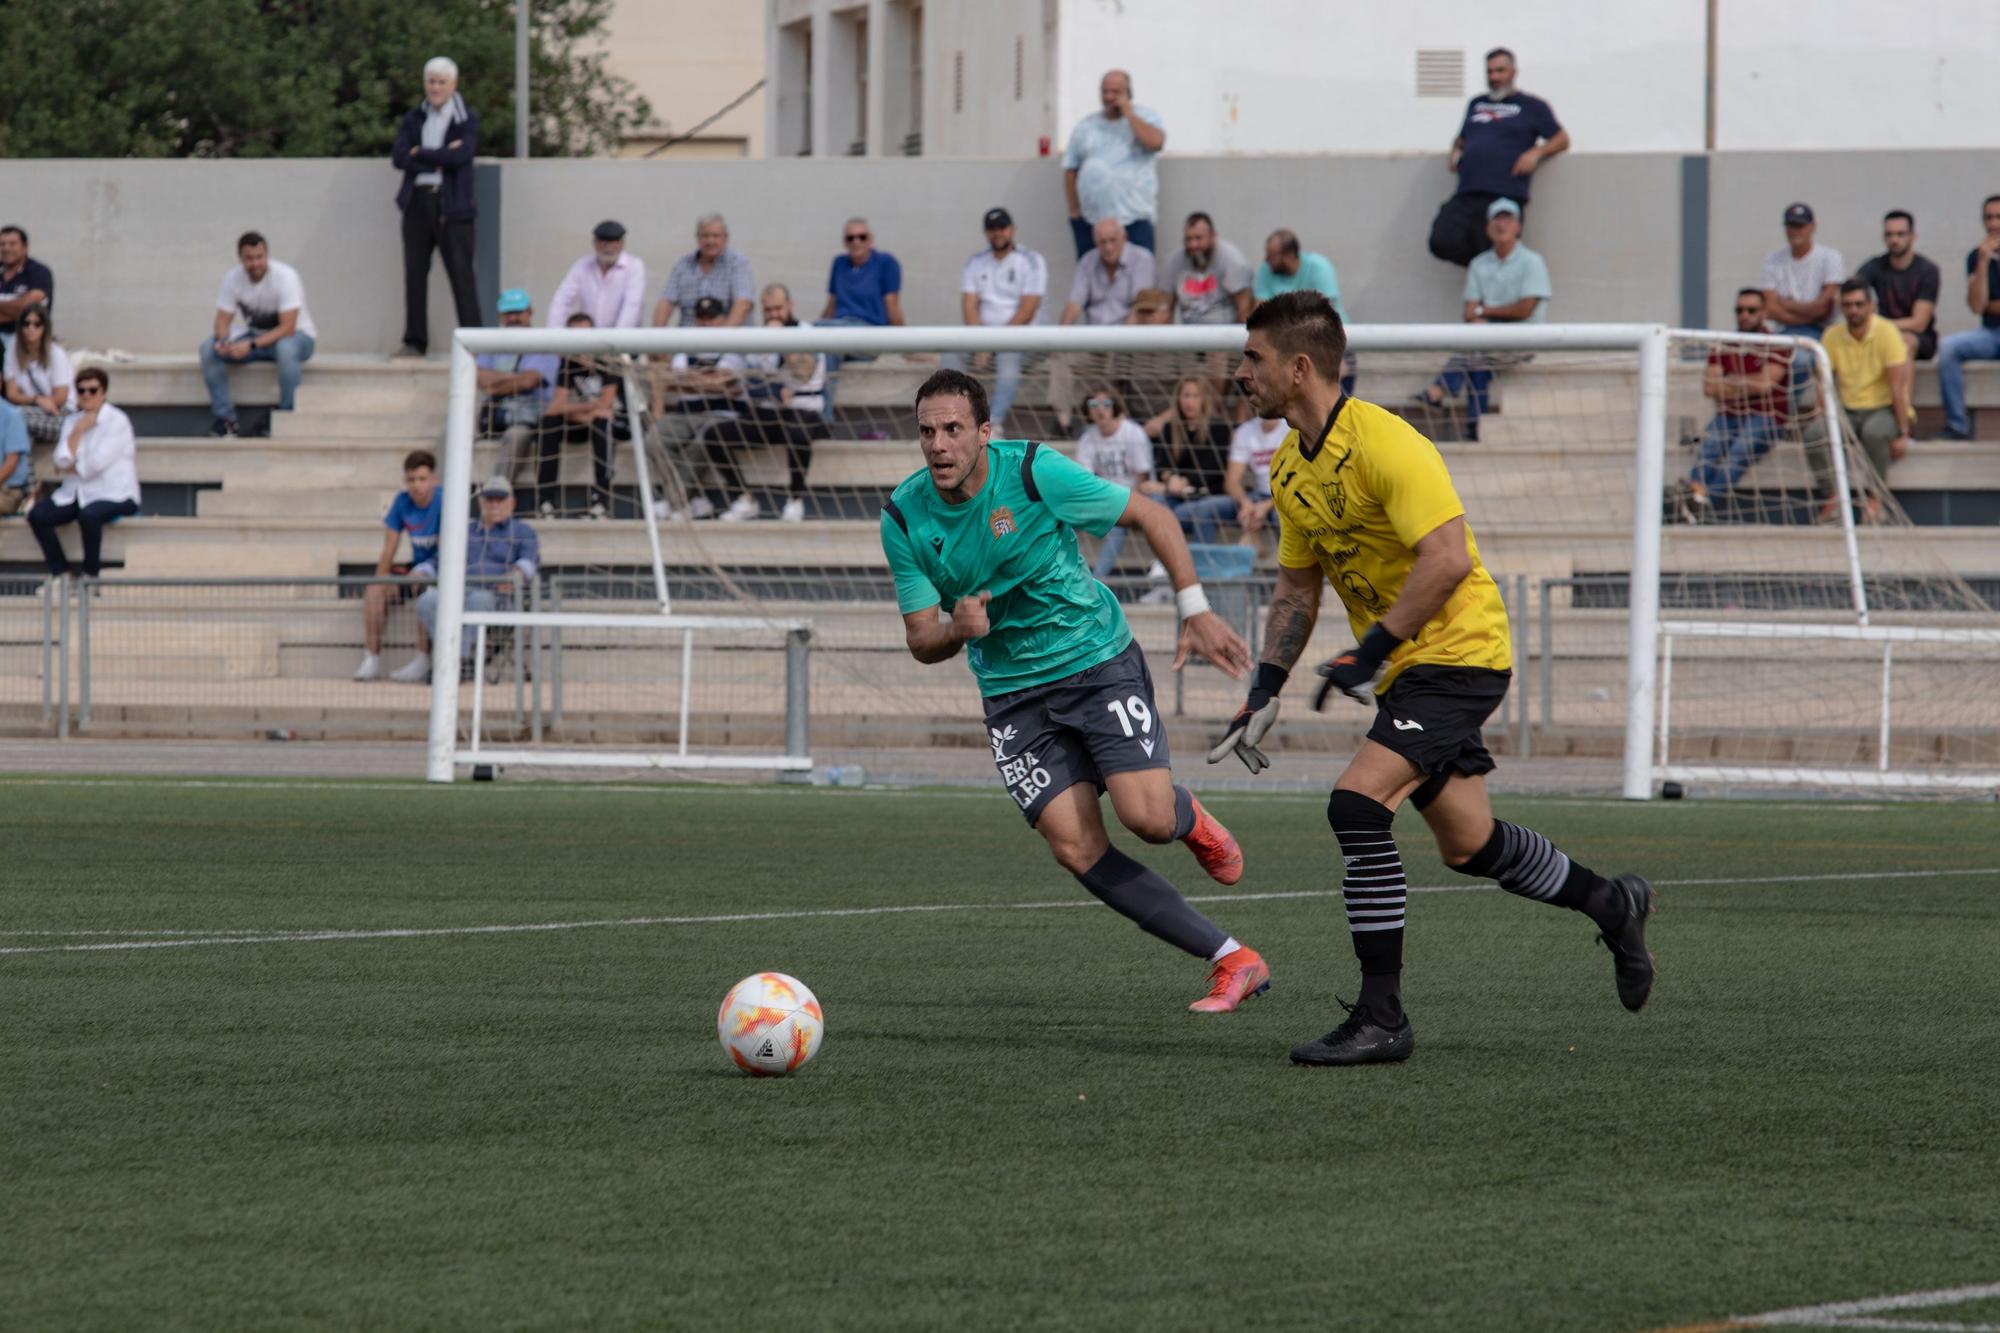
1366,503
1871,367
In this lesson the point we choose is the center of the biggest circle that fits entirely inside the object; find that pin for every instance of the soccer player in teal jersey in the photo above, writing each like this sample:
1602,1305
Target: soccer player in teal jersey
985,534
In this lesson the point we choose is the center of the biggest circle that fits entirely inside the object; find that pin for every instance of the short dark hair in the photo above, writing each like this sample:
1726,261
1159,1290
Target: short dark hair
417,458
1304,323
249,239
16,230
1857,285
94,373
1287,239
1989,199
947,383
1502,51
1198,216
1902,213
1757,292
577,317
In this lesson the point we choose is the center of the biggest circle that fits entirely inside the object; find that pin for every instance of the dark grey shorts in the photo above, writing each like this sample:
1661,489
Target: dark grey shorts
1082,728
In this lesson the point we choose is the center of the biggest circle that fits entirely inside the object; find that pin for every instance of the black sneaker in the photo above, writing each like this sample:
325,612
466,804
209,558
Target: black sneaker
1360,1040
1632,898
222,426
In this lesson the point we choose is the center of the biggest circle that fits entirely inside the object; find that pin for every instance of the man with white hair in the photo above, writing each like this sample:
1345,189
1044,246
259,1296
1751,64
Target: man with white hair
435,145
716,269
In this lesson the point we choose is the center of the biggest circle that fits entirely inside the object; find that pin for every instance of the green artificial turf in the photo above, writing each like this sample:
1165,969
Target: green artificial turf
1013,1121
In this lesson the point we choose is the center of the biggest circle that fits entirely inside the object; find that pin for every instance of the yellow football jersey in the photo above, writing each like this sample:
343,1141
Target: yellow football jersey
1355,502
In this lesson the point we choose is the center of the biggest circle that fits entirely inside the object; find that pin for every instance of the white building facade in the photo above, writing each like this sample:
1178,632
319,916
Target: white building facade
1008,78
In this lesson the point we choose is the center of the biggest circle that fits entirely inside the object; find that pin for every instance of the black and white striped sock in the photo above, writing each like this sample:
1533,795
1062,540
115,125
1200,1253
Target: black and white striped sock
1376,895
1525,862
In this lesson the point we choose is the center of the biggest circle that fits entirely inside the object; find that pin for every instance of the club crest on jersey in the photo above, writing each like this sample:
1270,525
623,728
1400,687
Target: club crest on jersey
1336,497
1002,520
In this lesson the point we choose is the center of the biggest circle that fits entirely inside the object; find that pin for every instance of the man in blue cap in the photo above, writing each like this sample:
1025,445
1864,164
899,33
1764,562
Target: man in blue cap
516,386
1507,284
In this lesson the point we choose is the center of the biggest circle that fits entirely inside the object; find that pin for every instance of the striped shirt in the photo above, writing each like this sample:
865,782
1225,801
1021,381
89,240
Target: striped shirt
728,281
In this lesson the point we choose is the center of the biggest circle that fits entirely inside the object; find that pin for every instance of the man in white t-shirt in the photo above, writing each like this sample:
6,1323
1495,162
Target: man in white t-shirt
1248,480
260,315
1801,280
1002,286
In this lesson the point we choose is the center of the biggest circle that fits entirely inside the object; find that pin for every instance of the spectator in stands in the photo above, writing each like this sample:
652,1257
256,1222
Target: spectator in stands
1801,279
1748,384
1873,371
1209,277
18,489
1114,447
579,410
863,288
704,388
1285,269
23,281
1906,285
1001,286
98,480
260,315
500,550
786,396
607,284
1506,135
1507,284
413,517
1109,168
716,269
515,388
1109,277
1151,305
1248,481
38,375
435,145
1191,458
1982,294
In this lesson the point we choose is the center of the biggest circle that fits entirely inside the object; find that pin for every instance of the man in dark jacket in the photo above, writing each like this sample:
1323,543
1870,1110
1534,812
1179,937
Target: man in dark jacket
434,148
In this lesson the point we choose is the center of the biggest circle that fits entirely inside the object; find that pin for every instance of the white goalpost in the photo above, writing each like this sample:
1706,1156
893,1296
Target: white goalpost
1748,645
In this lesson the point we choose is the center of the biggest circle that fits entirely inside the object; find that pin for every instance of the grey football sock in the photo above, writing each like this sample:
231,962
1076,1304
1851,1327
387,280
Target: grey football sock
1183,812
1153,904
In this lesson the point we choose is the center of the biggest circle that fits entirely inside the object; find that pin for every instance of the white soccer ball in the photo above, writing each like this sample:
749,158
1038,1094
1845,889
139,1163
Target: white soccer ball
770,1024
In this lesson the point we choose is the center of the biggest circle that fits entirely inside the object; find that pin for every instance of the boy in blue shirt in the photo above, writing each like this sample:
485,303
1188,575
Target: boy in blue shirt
413,515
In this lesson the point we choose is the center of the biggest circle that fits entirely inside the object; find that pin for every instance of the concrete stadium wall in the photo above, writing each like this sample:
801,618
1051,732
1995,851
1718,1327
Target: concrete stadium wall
1849,193
138,247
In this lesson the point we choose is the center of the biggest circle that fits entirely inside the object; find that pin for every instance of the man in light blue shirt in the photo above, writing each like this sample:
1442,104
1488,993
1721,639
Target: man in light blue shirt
16,488
1286,269
1508,284
1109,167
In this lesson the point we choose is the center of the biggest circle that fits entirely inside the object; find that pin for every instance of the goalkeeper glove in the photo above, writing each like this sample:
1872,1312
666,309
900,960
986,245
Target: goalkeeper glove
1355,671
1252,720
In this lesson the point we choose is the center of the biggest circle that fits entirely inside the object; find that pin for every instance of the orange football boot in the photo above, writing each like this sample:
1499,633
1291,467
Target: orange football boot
1215,847
1237,977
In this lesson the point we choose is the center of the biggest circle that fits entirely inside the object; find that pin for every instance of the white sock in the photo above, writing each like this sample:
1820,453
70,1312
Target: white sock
1229,946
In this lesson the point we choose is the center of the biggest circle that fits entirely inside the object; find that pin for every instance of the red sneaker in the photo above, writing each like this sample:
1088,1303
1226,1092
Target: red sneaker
1214,847
1237,977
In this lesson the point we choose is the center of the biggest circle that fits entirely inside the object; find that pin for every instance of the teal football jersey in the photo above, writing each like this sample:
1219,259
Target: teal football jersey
1017,540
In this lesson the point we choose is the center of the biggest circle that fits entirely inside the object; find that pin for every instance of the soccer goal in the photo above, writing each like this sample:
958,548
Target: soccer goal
716,596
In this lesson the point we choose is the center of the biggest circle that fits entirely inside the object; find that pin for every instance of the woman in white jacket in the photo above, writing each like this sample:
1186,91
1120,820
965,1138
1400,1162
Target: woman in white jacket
99,480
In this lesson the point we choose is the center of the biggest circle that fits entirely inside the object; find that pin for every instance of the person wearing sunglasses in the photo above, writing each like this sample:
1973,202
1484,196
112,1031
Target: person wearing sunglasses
37,375
98,478
1752,403
864,289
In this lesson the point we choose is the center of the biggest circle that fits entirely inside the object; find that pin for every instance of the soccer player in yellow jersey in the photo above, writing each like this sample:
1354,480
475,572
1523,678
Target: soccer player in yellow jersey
1365,503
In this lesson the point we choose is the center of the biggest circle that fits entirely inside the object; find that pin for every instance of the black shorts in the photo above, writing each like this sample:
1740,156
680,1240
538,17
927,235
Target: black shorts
1082,728
1432,714
1927,344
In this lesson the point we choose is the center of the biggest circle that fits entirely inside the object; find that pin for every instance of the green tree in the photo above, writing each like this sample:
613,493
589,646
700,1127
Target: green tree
297,78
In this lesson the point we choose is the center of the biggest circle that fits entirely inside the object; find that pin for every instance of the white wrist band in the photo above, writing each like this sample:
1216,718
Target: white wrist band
1191,600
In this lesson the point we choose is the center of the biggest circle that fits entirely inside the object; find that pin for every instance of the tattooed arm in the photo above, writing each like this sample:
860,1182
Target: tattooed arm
1294,612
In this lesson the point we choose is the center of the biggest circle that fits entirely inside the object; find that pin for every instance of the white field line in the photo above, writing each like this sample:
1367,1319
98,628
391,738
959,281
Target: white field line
162,939
844,793
1855,1314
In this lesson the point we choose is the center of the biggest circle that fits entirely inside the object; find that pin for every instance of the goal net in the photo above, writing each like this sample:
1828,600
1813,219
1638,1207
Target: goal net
1689,597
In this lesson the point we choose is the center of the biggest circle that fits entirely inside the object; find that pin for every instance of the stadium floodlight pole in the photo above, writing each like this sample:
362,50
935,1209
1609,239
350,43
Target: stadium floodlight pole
454,515
521,79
